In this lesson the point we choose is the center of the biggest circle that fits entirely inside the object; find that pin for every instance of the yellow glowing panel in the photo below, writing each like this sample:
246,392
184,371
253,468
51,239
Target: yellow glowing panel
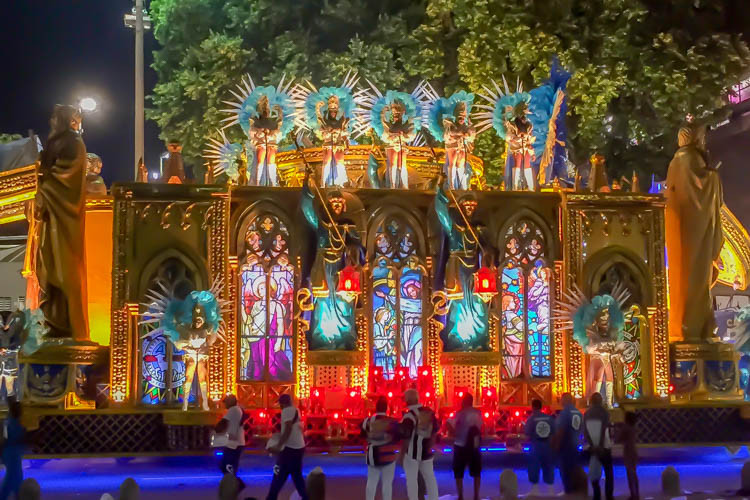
99,273
731,272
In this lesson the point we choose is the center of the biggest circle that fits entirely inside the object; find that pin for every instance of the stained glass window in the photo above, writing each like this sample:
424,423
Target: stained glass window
397,297
525,304
267,299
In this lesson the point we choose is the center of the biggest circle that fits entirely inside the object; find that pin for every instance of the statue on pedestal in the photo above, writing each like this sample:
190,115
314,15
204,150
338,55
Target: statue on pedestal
338,247
449,121
60,212
94,182
266,115
694,236
193,325
467,327
330,114
396,119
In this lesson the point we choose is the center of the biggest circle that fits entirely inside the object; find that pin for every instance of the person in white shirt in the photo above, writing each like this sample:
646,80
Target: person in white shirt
418,428
381,432
290,448
467,428
231,424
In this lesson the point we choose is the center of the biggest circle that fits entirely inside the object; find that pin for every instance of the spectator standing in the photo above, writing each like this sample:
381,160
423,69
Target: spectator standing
467,430
629,438
418,428
382,448
290,449
567,435
540,428
596,429
13,448
232,423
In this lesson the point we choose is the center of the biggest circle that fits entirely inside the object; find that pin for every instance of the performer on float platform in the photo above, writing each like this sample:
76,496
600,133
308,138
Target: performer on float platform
396,119
467,327
330,114
266,115
332,326
448,120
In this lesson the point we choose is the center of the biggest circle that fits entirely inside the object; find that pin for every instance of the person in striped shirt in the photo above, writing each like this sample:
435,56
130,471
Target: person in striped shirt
381,432
418,428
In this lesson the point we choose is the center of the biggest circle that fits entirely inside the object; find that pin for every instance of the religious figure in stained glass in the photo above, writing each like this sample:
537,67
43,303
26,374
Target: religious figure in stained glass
411,348
267,292
384,319
466,327
338,244
525,281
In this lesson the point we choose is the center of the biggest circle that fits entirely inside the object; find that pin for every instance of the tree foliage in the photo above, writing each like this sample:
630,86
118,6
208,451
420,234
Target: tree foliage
639,66
6,138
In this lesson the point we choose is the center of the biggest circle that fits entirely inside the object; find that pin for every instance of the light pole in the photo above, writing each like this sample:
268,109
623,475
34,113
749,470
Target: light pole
139,20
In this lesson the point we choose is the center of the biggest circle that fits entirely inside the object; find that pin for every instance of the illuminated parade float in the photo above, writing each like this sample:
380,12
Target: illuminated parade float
368,257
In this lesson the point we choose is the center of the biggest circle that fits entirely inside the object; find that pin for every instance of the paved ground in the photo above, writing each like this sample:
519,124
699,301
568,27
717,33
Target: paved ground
191,478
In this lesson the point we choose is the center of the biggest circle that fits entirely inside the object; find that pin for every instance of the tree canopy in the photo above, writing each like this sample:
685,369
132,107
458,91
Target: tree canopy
639,66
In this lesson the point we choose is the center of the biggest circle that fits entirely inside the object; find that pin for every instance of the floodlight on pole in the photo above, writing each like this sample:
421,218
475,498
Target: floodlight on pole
139,20
87,104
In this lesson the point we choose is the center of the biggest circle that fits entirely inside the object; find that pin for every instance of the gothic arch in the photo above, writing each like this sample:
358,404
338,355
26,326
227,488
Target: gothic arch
525,213
249,214
150,270
617,263
382,214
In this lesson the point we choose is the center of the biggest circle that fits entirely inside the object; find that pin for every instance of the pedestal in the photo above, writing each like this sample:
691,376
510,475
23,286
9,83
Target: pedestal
704,372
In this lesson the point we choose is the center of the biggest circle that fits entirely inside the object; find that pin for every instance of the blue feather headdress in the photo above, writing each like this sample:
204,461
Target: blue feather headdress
443,108
306,98
587,314
248,97
223,157
412,110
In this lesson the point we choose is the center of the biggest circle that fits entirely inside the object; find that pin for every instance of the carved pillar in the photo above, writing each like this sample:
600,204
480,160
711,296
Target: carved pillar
222,356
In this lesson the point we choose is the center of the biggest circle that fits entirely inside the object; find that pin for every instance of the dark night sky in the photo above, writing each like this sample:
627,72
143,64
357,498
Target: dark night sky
57,51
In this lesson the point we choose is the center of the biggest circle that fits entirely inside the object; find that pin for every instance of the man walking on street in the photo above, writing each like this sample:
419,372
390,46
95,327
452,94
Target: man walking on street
539,429
290,448
467,429
596,429
418,428
568,433
382,447
231,423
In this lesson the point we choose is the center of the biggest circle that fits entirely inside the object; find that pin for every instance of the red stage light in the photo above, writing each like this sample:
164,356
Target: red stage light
461,394
427,395
349,280
489,393
425,373
518,413
671,388
401,373
317,393
452,414
336,416
486,414
353,393
262,414
390,394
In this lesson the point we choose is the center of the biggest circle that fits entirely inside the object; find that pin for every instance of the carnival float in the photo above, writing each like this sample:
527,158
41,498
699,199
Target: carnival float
350,248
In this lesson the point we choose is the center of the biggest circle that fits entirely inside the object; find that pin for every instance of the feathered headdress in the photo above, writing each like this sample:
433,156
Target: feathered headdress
577,313
222,156
441,108
373,102
171,313
248,97
307,97
503,106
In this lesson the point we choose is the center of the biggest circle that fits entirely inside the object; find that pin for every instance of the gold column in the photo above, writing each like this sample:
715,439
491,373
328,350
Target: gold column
222,355
122,353
559,359
231,324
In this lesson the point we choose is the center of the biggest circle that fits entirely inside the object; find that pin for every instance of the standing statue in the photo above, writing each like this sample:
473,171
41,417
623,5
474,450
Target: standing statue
330,114
467,327
694,236
532,124
266,115
339,245
94,182
396,118
448,120
193,324
60,211
598,326
174,169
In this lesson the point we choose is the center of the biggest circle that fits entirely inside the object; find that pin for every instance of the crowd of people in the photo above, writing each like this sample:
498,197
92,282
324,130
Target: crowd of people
554,441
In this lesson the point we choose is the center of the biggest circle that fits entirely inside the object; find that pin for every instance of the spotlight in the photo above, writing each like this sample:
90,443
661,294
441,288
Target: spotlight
87,104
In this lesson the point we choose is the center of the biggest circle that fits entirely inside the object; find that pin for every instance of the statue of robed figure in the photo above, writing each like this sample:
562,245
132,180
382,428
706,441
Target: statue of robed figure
466,328
694,236
60,211
338,245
